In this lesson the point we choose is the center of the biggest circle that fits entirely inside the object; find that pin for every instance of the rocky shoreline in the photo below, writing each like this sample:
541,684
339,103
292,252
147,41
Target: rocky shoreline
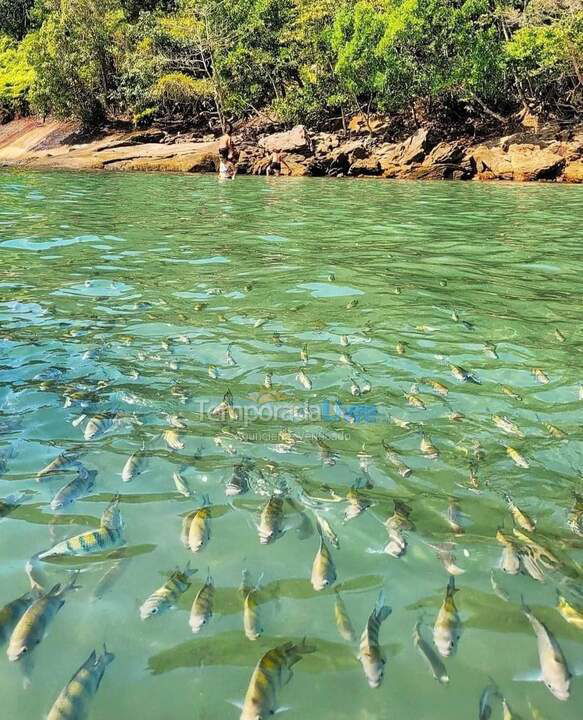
553,155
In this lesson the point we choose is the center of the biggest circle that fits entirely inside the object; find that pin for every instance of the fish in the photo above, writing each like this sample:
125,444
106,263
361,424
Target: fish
446,631
559,335
519,516
415,401
498,589
251,621
463,375
166,596
371,656
327,455
213,373
182,486
11,613
260,322
10,503
177,422
327,530
355,390
575,516
507,713
304,356
63,461
447,558
134,466
400,422
554,671
271,674
397,525
108,536
510,560
394,459
517,458
571,614
304,379
485,705
239,482
529,563
32,626
229,359
507,425
433,660
225,407
357,504
98,425
74,700
490,349
541,376
401,348
199,529
439,388
351,304
428,448
36,575
109,578
270,526
510,392
80,486
268,380
323,569
343,622
555,432
344,341
202,607
454,516
172,439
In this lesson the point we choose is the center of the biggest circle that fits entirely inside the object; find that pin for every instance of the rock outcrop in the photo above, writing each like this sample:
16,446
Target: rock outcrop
362,151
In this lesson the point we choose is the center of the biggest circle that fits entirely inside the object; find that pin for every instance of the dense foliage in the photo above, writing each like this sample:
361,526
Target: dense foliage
293,60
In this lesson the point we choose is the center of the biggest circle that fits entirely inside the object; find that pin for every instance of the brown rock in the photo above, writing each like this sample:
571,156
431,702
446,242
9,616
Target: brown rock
445,152
439,171
363,123
573,172
491,162
195,162
365,166
530,162
295,140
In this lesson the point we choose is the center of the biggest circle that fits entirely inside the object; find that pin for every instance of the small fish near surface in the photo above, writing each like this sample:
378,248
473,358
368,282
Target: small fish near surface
135,465
489,693
432,659
11,613
239,481
59,464
520,517
108,536
323,569
271,520
203,605
510,560
446,631
462,375
166,596
554,671
10,503
98,425
343,622
80,486
182,485
575,516
371,655
517,458
33,624
251,620
197,528
573,615
75,698
271,674
397,525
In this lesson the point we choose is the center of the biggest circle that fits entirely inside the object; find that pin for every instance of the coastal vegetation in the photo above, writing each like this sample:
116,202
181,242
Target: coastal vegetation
309,61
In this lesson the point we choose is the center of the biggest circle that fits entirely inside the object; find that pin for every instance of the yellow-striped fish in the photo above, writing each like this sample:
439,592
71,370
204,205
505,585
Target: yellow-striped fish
415,401
11,613
172,439
397,525
371,656
251,620
446,631
502,422
33,624
455,516
520,517
541,376
428,448
304,379
571,614
393,458
108,536
463,375
202,607
439,388
357,504
517,458
166,597
199,527
323,570
432,659
343,622
134,466
575,517
81,485
270,526
271,674
510,560
75,698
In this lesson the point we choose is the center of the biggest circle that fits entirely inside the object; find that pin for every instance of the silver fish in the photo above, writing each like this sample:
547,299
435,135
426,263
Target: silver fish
134,466
202,607
446,631
80,486
181,485
371,655
431,657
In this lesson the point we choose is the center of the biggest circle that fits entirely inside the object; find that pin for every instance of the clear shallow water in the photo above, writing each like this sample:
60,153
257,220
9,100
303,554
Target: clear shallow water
102,275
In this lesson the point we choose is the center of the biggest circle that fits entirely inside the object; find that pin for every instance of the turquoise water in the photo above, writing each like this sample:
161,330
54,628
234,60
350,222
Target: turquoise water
117,292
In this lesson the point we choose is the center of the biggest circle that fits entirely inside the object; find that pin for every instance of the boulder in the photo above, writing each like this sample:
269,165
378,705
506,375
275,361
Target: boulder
573,172
445,152
195,162
295,140
363,123
530,162
396,159
414,148
490,163
439,171
365,166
